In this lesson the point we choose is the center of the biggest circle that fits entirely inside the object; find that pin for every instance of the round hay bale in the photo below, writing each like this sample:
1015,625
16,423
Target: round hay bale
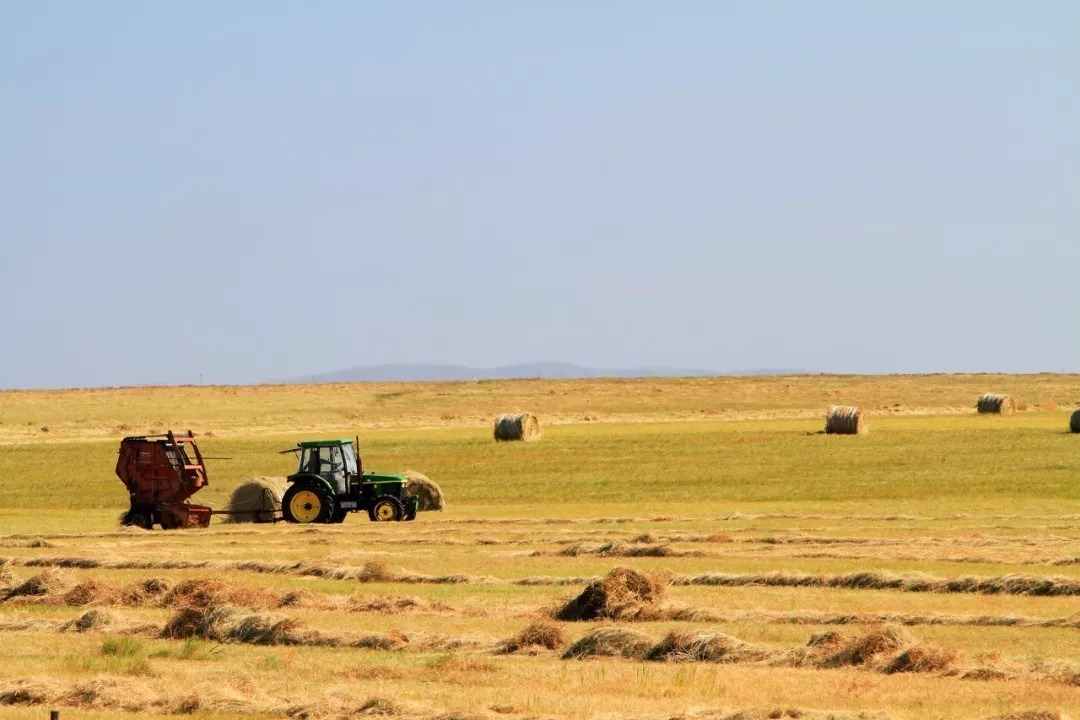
1074,422
257,500
525,426
845,420
426,490
995,404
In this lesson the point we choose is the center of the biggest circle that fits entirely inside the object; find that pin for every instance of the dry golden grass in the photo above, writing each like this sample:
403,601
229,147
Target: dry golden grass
734,562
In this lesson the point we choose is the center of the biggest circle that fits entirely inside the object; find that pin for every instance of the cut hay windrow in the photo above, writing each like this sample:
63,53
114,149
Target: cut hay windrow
995,404
1015,584
812,617
522,426
233,624
49,582
910,582
538,635
96,619
163,696
144,696
711,645
257,500
202,592
884,649
609,642
618,549
623,593
845,420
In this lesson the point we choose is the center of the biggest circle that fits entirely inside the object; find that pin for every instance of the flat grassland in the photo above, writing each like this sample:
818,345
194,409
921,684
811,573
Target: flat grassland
929,569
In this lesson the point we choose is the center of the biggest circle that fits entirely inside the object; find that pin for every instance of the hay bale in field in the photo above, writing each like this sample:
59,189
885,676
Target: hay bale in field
426,490
257,500
525,426
995,404
621,594
845,420
1074,422
609,642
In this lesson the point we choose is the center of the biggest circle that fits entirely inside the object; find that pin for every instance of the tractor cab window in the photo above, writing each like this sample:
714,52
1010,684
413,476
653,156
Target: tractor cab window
325,461
350,459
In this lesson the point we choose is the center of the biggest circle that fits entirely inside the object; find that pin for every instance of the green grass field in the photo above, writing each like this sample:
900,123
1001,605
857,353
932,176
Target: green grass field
961,530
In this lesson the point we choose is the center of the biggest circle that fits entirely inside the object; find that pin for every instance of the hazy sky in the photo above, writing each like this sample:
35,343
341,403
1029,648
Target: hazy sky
251,190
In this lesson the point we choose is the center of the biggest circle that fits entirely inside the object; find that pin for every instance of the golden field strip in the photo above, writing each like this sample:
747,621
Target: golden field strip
929,569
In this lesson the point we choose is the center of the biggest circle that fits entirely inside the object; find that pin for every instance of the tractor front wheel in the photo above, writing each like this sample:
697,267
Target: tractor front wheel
386,509
307,503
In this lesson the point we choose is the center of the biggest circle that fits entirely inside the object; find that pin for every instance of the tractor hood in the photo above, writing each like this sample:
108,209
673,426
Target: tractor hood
376,477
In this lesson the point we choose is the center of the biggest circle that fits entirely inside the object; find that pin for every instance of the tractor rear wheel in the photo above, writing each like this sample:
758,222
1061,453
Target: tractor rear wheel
386,509
307,503
339,514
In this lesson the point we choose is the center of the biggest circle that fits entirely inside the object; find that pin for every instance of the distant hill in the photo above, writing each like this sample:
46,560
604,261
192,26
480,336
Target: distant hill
406,372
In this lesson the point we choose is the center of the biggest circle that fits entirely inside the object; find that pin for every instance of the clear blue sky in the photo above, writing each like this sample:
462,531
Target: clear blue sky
252,190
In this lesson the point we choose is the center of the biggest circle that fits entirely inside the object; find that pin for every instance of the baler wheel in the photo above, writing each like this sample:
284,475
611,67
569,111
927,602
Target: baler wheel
139,519
386,509
307,503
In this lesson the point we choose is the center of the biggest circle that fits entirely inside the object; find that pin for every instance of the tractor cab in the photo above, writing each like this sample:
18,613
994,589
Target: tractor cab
332,460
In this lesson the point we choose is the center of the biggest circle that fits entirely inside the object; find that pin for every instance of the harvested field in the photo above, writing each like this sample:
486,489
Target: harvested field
655,563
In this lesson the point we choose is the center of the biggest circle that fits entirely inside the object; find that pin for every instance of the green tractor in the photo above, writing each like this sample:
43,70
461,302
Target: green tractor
329,483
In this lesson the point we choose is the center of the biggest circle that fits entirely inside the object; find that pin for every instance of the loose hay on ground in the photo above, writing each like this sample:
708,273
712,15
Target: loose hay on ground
609,642
96,619
539,634
623,593
871,645
923,658
202,592
710,645
49,582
